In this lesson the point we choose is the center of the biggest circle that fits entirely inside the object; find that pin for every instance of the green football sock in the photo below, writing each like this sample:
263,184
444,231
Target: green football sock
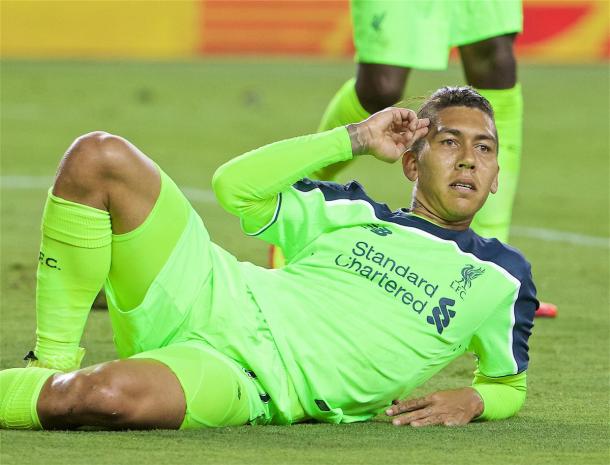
493,220
344,108
19,391
73,264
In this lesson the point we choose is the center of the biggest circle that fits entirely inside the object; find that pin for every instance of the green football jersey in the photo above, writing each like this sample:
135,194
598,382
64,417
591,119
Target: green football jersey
372,302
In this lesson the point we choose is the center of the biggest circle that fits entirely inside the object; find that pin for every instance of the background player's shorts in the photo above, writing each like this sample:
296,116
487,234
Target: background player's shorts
419,33
199,318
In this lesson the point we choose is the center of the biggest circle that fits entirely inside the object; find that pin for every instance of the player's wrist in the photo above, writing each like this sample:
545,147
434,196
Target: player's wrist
358,139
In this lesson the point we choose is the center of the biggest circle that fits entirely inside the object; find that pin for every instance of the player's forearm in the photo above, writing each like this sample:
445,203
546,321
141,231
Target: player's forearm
248,185
502,397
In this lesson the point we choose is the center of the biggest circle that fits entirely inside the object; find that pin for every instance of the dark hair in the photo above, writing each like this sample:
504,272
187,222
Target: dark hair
448,96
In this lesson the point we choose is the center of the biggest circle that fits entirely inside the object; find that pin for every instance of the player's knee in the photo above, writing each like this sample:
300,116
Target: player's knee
108,398
379,86
91,158
491,63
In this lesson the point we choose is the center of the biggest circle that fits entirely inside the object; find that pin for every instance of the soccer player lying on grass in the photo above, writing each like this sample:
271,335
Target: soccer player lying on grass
371,304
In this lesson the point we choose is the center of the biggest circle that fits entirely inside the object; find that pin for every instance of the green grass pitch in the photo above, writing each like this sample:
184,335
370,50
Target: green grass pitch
190,117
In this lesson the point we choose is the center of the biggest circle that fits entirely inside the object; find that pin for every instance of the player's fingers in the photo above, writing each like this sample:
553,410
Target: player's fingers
428,421
397,117
420,132
423,122
414,129
409,418
407,117
407,406
452,421
411,137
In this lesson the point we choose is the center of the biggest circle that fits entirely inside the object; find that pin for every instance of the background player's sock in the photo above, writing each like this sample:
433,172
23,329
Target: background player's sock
493,220
344,108
19,391
74,262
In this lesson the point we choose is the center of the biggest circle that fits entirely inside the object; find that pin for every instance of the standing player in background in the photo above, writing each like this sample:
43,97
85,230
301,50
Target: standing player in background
393,36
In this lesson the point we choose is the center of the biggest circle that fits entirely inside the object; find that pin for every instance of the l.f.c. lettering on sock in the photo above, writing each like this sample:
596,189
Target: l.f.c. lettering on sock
73,264
48,261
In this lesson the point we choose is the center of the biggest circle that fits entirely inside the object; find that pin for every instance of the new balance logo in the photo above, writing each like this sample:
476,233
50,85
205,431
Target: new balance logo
441,315
377,229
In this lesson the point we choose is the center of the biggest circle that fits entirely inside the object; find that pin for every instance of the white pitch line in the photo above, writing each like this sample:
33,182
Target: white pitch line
195,194
25,182
207,196
561,236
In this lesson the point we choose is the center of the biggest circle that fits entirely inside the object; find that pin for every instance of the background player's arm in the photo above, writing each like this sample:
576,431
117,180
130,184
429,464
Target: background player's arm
248,186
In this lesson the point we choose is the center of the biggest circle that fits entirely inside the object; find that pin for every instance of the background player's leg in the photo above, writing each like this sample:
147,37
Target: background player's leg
490,66
100,177
379,86
375,88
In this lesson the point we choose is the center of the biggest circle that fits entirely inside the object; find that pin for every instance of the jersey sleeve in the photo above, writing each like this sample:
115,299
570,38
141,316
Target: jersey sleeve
310,208
502,397
249,186
501,347
501,342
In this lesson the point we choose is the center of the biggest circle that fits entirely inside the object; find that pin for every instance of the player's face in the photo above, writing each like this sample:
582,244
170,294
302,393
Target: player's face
457,167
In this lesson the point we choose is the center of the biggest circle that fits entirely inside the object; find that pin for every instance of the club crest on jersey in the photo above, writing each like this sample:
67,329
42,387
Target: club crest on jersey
377,229
377,20
469,273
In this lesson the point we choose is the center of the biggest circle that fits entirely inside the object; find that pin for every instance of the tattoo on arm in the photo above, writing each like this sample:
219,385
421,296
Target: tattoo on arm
358,141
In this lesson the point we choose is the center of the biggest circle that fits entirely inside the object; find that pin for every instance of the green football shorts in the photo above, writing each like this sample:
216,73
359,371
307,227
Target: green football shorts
199,318
419,33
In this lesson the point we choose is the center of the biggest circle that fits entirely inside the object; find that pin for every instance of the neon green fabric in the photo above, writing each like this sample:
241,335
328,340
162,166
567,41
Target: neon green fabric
218,392
19,392
502,397
493,220
200,298
344,108
152,243
248,185
73,263
333,245
330,246
390,32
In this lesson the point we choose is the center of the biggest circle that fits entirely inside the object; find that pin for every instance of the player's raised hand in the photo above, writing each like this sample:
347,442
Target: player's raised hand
388,133
449,408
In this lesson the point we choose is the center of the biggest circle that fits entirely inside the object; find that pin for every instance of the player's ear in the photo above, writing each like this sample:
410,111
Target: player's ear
409,165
